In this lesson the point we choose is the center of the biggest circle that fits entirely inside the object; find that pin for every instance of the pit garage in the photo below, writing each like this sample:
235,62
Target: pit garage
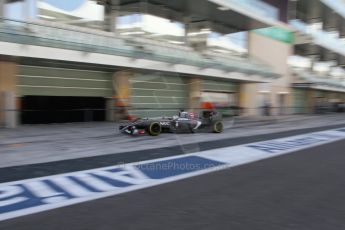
158,94
58,109
60,95
222,95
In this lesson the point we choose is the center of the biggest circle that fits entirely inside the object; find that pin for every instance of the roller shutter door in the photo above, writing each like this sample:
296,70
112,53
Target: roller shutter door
156,95
222,94
300,104
219,86
47,81
58,95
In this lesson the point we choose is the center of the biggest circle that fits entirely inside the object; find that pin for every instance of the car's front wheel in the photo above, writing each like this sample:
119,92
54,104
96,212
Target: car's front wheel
154,129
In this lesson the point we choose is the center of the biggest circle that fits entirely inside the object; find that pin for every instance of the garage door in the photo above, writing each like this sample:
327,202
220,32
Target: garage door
56,95
156,95
219,86
222,94
300,104
48,81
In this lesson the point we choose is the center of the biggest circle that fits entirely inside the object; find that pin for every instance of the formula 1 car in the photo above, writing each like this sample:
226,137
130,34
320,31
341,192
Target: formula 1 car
208,120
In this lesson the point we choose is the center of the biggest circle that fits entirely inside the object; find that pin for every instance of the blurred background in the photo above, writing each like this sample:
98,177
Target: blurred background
105,60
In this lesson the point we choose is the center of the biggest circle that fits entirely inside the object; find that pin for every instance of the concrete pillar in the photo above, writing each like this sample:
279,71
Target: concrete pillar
8,90
248,99
292,10
186,30
342,97
196,35
2,8
113,20
111,13
313,61
26,10
195,88
330,20
122,94
290,103
109,113
311,101
10,108
2,109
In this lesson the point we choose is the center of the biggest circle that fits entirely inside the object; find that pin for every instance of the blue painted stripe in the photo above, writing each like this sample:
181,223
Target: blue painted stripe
175,167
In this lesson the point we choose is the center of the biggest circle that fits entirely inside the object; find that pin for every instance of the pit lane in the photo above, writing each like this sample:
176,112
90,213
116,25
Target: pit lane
58,149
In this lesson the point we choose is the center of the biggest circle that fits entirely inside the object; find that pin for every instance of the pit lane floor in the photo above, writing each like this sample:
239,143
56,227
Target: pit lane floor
301,190
35,144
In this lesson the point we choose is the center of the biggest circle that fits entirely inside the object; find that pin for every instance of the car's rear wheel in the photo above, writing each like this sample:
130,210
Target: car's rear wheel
217,127
154,129
191,129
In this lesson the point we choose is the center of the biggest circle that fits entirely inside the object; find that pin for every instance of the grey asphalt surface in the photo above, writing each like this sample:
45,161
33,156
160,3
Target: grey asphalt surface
301,190
20,172
34,144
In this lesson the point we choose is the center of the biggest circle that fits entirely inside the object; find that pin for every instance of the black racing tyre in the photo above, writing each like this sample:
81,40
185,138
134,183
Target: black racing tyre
154,129
172,127
217,127
191,129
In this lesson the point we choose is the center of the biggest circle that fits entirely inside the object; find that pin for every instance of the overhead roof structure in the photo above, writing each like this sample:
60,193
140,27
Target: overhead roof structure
225,16
319,44
311,47
332,16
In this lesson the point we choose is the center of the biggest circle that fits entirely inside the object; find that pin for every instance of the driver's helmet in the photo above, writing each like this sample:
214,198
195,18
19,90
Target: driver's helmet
183,114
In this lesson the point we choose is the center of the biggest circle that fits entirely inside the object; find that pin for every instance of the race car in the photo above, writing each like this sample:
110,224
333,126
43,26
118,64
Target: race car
185,122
